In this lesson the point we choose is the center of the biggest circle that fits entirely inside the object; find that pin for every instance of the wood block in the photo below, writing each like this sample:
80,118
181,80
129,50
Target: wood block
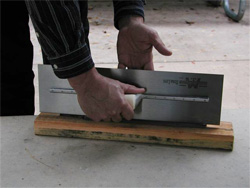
210,136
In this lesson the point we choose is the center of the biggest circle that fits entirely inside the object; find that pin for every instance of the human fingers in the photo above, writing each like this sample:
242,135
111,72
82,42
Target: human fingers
149,66
127,88
107,119
127,112
121,66
158,44
116,118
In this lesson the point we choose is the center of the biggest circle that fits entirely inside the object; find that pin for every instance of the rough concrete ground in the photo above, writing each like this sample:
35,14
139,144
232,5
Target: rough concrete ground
211,44
28,160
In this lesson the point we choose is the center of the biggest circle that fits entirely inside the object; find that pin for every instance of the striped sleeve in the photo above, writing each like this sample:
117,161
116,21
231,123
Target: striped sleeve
124,8
61,35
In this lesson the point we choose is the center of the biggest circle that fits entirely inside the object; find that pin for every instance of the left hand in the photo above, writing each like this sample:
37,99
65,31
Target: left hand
135,44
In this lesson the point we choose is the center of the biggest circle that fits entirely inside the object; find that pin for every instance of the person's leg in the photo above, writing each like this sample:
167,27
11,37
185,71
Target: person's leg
17,89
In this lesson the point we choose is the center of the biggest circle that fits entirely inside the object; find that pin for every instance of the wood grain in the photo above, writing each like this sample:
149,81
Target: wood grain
211,136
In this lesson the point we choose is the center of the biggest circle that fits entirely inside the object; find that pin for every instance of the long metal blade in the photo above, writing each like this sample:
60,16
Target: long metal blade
170,96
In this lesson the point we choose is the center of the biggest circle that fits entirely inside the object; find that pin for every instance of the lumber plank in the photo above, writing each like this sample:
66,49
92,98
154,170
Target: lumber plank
211,136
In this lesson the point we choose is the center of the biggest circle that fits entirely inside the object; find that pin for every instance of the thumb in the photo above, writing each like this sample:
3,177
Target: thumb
121,66
159,45
131,89
149,66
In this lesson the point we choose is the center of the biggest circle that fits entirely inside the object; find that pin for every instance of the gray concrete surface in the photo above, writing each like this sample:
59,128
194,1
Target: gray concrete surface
213,44
38,161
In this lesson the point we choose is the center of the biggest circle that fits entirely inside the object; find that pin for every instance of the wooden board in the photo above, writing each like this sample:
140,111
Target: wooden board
212,136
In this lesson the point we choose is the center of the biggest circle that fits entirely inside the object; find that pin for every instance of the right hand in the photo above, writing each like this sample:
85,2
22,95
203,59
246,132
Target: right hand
102,98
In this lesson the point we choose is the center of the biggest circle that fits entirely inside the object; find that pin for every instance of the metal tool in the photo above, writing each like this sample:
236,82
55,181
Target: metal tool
231,14
234,15
169,96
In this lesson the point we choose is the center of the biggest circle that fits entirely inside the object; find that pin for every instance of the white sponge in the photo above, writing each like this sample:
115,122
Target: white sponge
133,99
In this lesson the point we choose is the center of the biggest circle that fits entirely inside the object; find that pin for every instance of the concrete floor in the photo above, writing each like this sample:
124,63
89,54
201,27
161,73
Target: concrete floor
41,161
213,44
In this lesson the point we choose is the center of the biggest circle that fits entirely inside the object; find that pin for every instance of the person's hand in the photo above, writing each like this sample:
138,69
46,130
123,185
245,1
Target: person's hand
101,98
135,43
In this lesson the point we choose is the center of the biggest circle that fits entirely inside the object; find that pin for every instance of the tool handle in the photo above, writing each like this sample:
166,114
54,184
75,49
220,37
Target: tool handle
133,99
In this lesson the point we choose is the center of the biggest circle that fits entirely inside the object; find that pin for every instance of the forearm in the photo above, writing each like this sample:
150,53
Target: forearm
60,33
127,20
123,9
82,81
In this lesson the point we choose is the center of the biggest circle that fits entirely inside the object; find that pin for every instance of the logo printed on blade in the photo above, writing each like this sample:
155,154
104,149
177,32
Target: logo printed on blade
187,82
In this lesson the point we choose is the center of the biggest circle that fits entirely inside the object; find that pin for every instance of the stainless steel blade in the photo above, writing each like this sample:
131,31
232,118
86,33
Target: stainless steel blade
170,96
